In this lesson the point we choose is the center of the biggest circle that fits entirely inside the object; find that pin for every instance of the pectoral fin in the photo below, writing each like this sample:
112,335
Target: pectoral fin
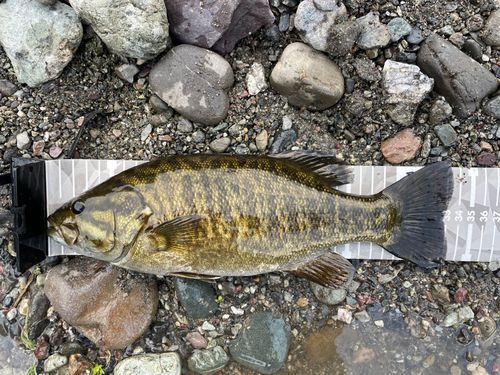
179,234
330,270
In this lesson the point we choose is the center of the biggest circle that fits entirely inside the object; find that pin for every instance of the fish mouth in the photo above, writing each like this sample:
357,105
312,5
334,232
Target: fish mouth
64,233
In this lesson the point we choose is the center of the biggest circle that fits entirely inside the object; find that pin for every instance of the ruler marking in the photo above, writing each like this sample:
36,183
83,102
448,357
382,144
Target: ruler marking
472,175
468,243
498,184
99,171
73,176
360,186
60,182
460,187
456,243
485,185
493,243
480,243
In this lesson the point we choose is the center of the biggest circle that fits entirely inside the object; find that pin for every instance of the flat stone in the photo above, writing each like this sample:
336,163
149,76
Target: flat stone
362,316
150,364
7,88
446,134
374,34
146,132
220,144
283,140
54,362
37,313
314,24
262,345
459,316
146,31
185,126
194,81
55,31
492,107
256,80
402,147
404,88
486,159
398,28
197,297
491,31
218,25
342,37
307,78
127,72
208,361
439,112
461,80
328,296
38,147
261,140
23,141
415,36
85,292
55,151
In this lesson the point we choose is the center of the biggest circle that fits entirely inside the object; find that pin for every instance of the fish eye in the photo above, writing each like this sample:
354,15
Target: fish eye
77,207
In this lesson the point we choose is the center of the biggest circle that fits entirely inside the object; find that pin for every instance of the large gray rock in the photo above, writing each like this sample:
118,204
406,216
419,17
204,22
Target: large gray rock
150,364
491,31
263,343
39,40
461,80
404,87
108,304
137,29
307,78
314,23
216,24
194,81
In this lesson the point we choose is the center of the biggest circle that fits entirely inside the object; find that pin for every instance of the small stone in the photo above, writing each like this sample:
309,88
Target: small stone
486,158
328,296
70,348
220,145
374,34
287,123
284,139
455,370
447,30
185,126
302,302
209,361
256,80
363,355
206,326
398,28
23,306
196,296
78,364
459,295
262,344
344,315
379,323
127,72
23,141
55,151
7,88
475,23
402,147
492,107
429,361
146,132
439,112
237,311
198,137
150,364
197,340
38,147
441,294
491,31
485,146
362,316
54,362
457,39
415,36
261,140
11,314
446,134
42,350
494,266
473,49
458,317
158,104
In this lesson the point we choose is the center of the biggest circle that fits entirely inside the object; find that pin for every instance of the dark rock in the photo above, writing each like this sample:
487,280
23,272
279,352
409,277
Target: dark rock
109,305
307,78
366,69
342,37
196,296
208,361
473,49
439,112
283,140
486,158
7,88
37,313
415,36
461,80
57,336
273,34
217,24
263,343
194,82
491,31
284,22
349,85
492,107
70,348
48,87
42,350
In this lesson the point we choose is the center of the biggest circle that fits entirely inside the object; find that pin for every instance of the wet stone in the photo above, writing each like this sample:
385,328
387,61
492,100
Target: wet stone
37,314
446,134
208,361
71,348
150,364
263,343
362,316
54,362
459,316
320,347
441,294
42,350
7,88
327,295
185,126
196,296
78,364
492,107
491,31
473,49
459,295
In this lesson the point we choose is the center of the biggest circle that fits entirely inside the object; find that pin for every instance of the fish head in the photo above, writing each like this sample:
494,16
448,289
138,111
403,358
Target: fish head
102,223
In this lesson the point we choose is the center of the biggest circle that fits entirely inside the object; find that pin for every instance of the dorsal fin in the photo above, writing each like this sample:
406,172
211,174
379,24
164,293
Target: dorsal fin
331,168
330,270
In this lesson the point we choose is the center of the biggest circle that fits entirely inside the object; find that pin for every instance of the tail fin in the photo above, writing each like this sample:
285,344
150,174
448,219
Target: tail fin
420,199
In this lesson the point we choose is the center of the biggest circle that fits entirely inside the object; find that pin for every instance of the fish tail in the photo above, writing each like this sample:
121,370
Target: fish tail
420,199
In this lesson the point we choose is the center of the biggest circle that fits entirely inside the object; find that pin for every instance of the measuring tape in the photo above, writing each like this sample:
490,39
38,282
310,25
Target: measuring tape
471,221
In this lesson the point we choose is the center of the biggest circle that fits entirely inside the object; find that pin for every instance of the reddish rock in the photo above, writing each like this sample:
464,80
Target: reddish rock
55,151
42,347
402,147
108,304
197,340
460,295
486,158
38,147
78,364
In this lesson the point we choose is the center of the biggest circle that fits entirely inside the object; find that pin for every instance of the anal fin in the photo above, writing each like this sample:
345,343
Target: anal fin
331,270
188,275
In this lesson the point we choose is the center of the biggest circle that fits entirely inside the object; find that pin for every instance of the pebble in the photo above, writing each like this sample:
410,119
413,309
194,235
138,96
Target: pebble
374,34
473,49
198,137
23,141
455,370
150,364
492,107
261,140
486,159
459,316
363,355
146,132
55,151
38,147
415,36
220,144
283,141
196,296
78,364
457,39
446,134
11,314
344,315
42,350
328,296
287,123
459,295
208,361
475,23
307,78
256,80
402,147
127,72
184,126
362,316
398,28
262,345
491,31
54,362
405,87
23,306
197,340
7,88
207,326
439,112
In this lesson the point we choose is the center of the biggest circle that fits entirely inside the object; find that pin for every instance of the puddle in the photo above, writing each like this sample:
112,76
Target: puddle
13,360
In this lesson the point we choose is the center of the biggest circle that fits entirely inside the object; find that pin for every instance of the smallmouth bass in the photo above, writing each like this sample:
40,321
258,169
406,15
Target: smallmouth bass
208,216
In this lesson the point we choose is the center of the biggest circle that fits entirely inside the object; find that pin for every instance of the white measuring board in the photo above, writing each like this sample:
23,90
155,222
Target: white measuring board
472,220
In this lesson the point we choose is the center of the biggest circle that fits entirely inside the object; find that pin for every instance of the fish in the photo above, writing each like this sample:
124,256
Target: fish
207,216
